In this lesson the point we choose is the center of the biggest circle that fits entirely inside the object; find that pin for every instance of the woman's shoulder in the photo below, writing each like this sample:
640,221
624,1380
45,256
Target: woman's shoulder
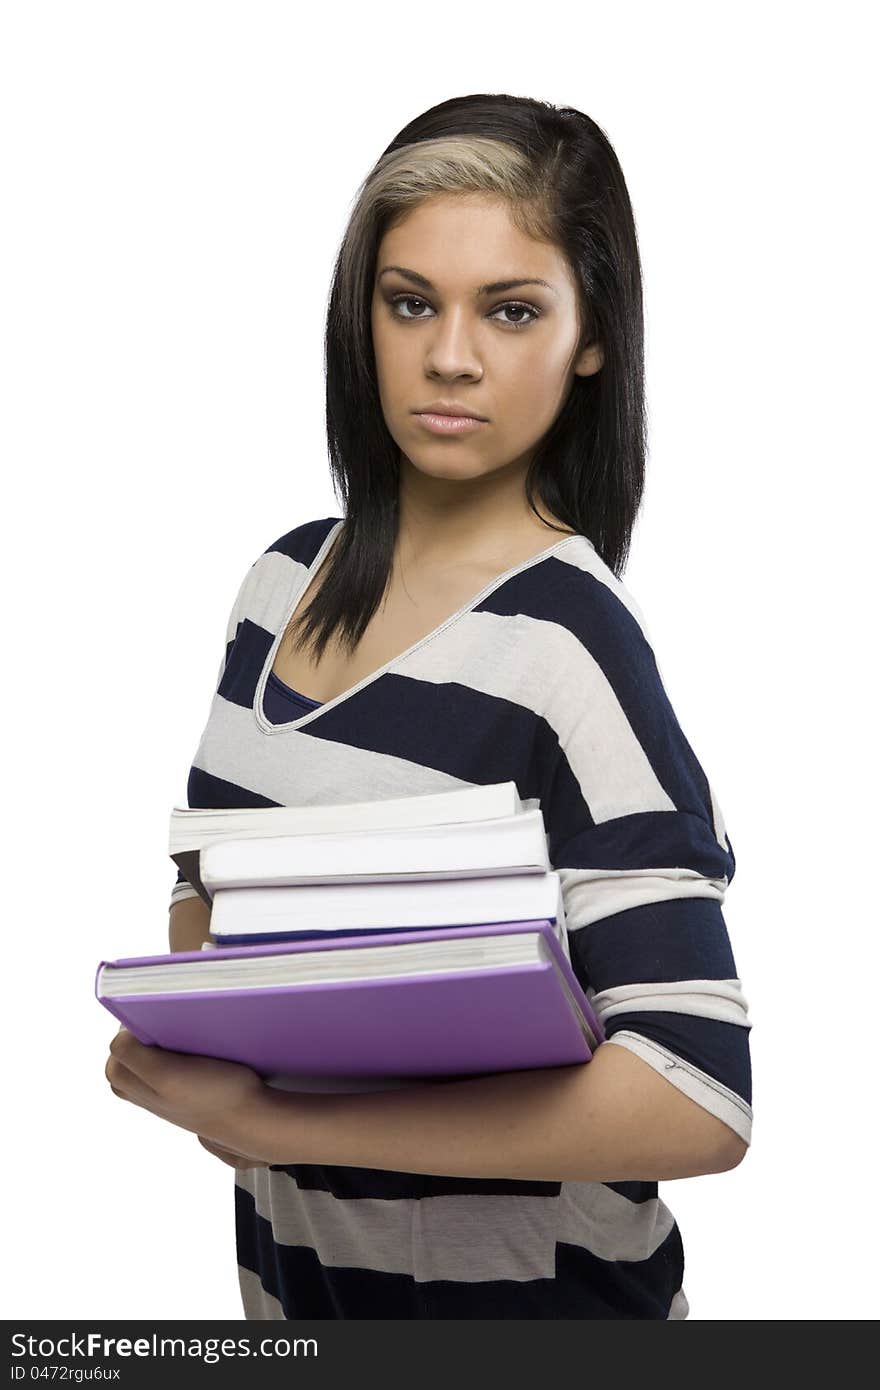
304,541
267,580
590,599
297,547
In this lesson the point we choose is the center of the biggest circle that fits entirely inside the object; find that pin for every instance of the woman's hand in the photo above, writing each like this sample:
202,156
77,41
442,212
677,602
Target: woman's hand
216,1100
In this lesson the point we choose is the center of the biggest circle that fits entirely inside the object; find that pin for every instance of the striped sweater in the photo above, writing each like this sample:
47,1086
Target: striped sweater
546,678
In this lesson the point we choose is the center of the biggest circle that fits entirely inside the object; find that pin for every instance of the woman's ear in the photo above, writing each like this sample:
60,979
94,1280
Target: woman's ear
590,360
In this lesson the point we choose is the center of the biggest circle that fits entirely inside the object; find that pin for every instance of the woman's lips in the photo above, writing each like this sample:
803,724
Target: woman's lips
450,424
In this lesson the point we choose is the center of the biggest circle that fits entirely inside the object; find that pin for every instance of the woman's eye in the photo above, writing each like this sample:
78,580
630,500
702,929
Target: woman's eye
411,299
407,299
518,309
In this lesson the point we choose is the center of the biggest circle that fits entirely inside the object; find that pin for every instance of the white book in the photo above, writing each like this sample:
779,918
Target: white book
194,828
240,915
509,844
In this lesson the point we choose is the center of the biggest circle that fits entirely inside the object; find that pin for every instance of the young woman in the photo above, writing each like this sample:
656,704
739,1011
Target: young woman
463,623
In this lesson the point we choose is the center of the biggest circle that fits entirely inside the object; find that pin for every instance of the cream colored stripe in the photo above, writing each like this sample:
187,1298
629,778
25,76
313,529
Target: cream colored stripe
257,1303
564,683
679,1307
296,769
181,891
458,1237
721,999
267,591
589,895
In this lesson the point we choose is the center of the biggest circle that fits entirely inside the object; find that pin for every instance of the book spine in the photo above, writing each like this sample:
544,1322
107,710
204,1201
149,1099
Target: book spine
121,1013
258,938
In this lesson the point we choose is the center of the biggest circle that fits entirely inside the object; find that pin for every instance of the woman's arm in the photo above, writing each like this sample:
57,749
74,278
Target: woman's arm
609,1120
189,924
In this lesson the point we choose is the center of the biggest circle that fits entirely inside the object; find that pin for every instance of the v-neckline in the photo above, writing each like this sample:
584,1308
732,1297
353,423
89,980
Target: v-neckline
291,725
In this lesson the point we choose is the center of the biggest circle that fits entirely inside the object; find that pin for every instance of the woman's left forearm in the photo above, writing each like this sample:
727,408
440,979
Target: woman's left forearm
611,1120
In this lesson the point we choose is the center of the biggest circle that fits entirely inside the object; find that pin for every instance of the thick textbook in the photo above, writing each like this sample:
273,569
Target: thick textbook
302,912
192,829
504,845
416,1004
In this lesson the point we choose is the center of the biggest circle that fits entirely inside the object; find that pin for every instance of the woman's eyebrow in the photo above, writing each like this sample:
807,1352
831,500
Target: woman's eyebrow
496,286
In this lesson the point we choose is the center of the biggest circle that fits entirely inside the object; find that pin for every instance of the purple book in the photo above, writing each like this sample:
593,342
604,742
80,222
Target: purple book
511,1001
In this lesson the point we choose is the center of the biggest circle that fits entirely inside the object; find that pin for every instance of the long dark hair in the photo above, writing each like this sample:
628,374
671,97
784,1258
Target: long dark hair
561,179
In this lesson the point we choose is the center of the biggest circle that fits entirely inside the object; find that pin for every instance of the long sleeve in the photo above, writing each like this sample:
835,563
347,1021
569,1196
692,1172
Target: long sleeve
637,836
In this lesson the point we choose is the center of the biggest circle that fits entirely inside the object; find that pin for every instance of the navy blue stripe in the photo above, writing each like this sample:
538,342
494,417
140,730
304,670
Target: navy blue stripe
206,792
304,542
719,1049
629,1289
679,939
644,840
388,1185
453,728
252,645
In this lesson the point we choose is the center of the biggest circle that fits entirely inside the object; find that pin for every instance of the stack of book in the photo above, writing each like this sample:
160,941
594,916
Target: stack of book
412,937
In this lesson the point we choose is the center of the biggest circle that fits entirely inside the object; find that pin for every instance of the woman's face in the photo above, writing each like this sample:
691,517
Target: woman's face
442,333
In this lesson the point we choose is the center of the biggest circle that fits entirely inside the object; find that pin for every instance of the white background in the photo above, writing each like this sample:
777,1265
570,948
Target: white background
176,177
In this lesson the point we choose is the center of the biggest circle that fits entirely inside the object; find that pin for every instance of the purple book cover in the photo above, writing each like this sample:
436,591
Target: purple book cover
503,1018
